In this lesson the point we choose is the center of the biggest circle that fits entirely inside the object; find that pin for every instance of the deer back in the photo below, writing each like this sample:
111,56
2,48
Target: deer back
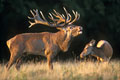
105,47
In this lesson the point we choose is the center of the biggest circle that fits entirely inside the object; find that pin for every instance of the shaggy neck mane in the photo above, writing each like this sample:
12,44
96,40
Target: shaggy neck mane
63,39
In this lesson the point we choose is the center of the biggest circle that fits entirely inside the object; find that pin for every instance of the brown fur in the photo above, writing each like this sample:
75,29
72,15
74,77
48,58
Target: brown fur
45,43
103,51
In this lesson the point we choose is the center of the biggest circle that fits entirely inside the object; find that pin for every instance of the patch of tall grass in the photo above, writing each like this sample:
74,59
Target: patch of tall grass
70,70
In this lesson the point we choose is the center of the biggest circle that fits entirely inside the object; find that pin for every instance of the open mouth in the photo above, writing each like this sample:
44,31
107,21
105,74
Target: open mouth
80,31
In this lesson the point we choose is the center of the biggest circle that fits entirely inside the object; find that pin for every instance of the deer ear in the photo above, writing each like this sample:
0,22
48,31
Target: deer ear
92,42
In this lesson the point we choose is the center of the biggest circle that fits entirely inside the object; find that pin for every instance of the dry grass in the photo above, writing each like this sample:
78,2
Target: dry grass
63,71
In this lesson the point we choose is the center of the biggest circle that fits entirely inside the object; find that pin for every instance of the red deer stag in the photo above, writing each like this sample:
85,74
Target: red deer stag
44,43
103,51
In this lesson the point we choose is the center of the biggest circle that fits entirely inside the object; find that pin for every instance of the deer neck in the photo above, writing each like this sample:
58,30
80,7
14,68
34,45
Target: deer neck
97,52
63,40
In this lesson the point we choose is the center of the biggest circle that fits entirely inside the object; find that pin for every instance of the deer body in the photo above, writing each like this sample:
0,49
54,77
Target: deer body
45,43
29,42
102,51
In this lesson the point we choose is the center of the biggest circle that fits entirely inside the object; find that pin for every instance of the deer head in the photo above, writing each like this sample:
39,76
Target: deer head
88,49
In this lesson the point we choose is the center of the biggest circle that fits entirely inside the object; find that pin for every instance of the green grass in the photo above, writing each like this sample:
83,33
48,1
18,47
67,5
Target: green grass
63,71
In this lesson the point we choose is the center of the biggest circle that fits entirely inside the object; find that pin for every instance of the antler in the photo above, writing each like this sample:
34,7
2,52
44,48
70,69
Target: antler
37,19
59,19
77,16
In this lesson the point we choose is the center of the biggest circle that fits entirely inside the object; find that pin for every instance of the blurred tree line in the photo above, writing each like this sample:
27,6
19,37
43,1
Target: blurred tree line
100,20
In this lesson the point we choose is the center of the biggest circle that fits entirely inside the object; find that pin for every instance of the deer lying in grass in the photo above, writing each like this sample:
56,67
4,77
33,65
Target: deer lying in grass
44,43
103,51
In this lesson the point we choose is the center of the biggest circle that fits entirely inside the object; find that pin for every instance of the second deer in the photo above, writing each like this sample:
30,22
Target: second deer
102,51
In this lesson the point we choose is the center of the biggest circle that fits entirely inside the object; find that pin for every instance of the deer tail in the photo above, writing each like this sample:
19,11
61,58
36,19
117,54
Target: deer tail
10,41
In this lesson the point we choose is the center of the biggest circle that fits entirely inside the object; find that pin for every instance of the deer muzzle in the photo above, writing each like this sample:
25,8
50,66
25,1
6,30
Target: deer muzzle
80,30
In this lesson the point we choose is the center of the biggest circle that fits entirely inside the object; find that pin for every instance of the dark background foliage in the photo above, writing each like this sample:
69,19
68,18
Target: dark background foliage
100,20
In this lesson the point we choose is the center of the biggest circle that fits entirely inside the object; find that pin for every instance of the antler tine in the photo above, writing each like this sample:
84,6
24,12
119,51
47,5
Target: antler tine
68,19
31,24
37,19
60,17
43,16
77,16
57,14
52,18
63,16
32,13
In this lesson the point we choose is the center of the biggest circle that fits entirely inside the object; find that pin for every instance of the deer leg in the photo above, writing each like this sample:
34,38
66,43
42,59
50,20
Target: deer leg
13,58
102,60
11,62
49,61
7,65
98,59
18,63
108,59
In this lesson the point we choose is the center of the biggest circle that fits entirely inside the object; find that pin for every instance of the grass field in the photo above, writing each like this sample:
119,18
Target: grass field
70,70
